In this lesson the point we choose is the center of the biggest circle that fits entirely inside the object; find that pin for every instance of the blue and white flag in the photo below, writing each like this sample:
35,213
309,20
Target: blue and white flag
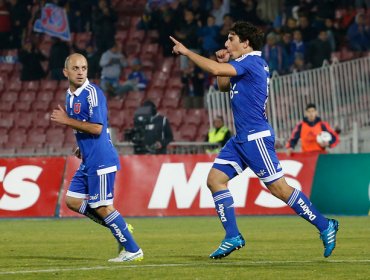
53,22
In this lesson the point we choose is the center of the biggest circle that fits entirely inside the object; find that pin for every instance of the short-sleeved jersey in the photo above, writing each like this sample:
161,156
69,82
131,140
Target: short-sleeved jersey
249,93
89,104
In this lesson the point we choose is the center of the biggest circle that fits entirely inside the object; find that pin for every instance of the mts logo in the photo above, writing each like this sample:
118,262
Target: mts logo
172,179
20,189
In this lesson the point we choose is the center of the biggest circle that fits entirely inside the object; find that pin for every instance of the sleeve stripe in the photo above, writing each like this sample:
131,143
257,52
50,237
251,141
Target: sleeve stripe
93,95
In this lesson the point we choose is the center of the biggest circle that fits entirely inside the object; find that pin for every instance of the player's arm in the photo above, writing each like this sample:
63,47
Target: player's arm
60,116
207,65
296,134
334,136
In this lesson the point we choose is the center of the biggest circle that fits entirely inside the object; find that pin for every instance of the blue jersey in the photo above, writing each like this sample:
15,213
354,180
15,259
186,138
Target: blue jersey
249,93
89,104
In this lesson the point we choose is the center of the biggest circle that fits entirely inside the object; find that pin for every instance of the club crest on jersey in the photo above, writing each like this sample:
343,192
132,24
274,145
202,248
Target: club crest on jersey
77,108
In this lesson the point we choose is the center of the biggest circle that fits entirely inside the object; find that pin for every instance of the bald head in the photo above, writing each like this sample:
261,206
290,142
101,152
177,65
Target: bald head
75,70
73,57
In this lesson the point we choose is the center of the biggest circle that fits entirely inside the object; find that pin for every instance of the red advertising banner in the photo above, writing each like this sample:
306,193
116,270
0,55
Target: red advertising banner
175,185
29,187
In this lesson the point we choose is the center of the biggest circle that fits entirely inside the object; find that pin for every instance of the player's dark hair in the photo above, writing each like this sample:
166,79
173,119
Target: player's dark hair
310,105
247,31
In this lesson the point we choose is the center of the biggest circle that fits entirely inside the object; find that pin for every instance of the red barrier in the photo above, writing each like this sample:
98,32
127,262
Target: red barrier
164,185
30,186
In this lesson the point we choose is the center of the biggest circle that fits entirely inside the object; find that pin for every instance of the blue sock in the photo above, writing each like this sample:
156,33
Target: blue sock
120,231
225,209
89,212
304,208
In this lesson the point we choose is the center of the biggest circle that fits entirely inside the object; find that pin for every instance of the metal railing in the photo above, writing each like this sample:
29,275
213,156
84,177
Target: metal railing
341,92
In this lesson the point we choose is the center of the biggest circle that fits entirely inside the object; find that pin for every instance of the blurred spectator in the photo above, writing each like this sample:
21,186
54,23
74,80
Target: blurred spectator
187,33
225,28
193,86
219,9
208,35
308,129
308,32
112,61
30,57
272,52
58,53
19,16
79,15
219,134
358,34
136,80
93,59
167,27
288,52
333,33
5,25
200,14
103,22
298,46
319,50
247,10
298,63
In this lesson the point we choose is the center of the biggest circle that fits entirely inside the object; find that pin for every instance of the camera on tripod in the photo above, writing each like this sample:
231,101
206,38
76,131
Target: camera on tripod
136,135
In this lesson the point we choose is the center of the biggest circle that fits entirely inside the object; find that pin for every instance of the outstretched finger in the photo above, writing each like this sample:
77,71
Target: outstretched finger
60,107
174,40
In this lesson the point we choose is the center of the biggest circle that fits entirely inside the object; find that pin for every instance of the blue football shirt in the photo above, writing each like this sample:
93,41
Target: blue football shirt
89,104
249,94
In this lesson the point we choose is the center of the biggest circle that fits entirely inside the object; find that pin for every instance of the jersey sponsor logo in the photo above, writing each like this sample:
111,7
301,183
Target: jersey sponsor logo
221,212
94,197
20,188
172,182
118,233
306,210
233,91
77,108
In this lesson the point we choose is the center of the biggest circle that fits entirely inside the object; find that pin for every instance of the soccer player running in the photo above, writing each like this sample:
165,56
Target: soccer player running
241,71
91,190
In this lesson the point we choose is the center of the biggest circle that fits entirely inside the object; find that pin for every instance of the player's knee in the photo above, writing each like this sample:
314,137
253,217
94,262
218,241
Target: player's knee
280,189
73,203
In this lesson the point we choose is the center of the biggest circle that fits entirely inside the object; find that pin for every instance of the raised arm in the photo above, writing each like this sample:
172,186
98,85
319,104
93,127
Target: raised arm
208,65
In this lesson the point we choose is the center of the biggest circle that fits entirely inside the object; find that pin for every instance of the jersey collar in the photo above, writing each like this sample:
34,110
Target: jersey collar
80,89
258,53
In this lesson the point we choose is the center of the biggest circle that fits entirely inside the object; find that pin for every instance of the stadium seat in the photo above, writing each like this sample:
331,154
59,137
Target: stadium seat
188,132
195,116
35,138
132,103
155,93
14,85
156,101
22,120
31,85
45,95
55,137
152,49
6,69
171,103
7,106
175,83
9,95
172,93
115,104
49,85
167,64
17,137
27,96
41,120
4,138
23,106
63,85
176,117
116,119
136,35
132,48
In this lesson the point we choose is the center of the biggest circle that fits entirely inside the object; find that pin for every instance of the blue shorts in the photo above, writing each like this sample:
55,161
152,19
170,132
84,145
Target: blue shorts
257,152
97,189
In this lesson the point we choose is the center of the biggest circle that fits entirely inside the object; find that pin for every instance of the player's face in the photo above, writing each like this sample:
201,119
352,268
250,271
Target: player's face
234,46
311,114
76,71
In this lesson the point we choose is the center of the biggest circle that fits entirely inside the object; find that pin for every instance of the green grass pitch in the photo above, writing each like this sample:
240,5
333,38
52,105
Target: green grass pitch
280,247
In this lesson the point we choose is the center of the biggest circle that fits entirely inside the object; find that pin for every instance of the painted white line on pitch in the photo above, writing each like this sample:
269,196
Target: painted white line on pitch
125,266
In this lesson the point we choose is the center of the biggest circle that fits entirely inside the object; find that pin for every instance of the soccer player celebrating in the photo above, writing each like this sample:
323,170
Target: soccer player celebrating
241,71
91,190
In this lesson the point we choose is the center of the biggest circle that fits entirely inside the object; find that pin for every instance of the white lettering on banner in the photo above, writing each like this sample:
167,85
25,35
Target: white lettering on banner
172,179
19,193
